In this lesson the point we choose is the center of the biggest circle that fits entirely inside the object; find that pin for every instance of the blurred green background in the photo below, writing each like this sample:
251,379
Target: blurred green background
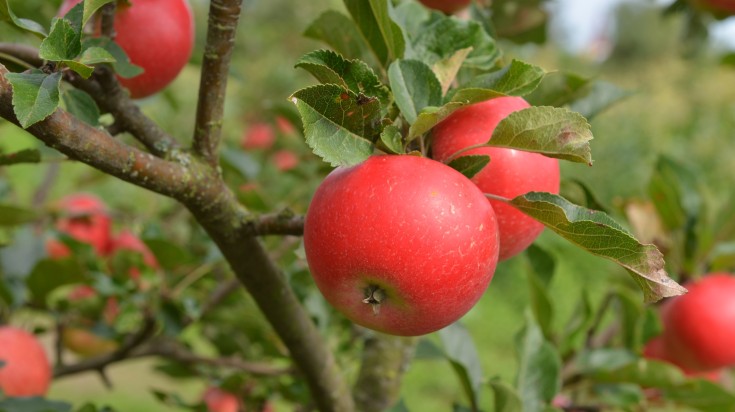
682,104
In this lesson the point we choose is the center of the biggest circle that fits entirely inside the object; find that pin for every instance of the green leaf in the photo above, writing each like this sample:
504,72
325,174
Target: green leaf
541,307
90,7
539,371
329,67
382,34
578,192
469,165
623,367
525,22
49,274
82,69
673,190
701,395
414,87
542,262
391,140
168,254
21,156
516,79
430,117
400,406
462,354
337,30
122,65
64,42
554,132
446,69
81,105
339,125
579,323
33,404
559,89
506,398
95,55
632,315
15,216
600,235
602,95
6,14
35,95
440,37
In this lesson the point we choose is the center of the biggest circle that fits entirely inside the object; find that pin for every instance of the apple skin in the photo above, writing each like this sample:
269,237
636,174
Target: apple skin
446,6
656,349
416,229
218,400
27,371
285,160
157,35
85,219
510,172
258,136
698,327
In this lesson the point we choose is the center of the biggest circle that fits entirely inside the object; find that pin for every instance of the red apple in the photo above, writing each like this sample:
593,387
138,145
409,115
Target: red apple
284,125
721,8
258,136
127,241
285,160
446,6
84,218
699,327
656,349
510,172
157,35
218,400
401,244
26,370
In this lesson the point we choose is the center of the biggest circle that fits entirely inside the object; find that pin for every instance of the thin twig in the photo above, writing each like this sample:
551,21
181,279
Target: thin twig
282,223
224,16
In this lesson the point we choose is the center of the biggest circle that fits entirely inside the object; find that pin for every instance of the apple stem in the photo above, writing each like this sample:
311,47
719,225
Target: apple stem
374,295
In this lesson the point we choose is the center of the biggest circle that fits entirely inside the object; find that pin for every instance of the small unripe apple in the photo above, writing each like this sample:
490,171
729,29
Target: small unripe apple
510,172
401,244
446,6
26,370
699,327
258,136
218,400
84,218
157,35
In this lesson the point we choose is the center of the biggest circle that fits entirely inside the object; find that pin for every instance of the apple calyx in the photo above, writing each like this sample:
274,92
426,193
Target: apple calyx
374,295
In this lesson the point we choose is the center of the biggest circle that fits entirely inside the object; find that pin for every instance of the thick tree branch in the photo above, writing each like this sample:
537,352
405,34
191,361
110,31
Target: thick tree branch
223,19
215,207
384,359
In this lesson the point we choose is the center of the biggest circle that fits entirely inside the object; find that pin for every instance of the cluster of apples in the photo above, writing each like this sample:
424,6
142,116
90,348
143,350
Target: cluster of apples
699,328
407,245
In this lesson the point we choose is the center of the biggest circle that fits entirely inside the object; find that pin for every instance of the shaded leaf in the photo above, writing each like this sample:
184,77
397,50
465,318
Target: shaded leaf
382,34
7,15
462,354
392,140
446,69
430,117
578,192
21,156
414,87
90,7
559,89
539,371
81,105
33,404
35,95
541,307
122,65
506,398
517,79
600,235
602,95
338,125
15,216
337,30
469,165
49,274
554,132
701,395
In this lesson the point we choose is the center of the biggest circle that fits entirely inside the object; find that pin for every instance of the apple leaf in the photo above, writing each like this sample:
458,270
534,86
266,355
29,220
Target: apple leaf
506,398
339,124
81,105
541,306
65,272
559,89
7,15
600,235
430,117
64,42
33,404
523,23
383,35
90,7
516,79
446,69
96,55
461,352
329,67
469,165
122,65
391,140
414,87
539,371
15,216
35,95
552,131
21,156
701,395
601,96
339,32
579,193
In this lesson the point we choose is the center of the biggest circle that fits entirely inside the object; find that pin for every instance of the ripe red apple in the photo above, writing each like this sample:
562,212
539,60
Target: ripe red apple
656,349
26,370
218,400
446,6
510,172
127,241
258,136
157,35
84,218
285,160
699,327
721,8
401,244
